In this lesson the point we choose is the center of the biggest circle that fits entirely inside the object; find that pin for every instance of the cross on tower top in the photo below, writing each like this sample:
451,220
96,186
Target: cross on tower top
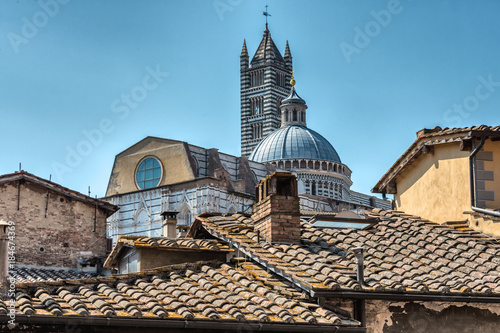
266,14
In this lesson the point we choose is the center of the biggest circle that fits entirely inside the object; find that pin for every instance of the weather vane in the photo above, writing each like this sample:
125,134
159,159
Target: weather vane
266,14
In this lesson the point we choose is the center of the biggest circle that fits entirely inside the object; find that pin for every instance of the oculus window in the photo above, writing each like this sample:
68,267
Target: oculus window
148,173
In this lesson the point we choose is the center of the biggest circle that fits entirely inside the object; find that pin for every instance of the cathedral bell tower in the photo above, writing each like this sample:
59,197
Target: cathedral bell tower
265,82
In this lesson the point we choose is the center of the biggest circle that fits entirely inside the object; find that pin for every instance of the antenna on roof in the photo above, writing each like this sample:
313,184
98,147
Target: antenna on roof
89,190
20,166
95,213
50,177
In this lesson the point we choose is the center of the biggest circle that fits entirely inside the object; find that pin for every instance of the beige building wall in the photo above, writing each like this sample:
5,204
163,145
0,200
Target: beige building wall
426,317
172,155
436,186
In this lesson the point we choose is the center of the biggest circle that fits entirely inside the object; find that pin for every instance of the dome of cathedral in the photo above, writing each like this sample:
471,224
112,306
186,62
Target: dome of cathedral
294,142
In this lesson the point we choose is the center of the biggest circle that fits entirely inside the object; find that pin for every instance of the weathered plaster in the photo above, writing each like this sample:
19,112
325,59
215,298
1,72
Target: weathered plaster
436,186
439,317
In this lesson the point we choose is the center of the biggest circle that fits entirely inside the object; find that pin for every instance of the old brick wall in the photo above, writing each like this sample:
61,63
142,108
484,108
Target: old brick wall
277,218
432,317
58,238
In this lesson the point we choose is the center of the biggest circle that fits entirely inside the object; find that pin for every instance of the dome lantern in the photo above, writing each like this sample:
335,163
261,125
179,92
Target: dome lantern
293,108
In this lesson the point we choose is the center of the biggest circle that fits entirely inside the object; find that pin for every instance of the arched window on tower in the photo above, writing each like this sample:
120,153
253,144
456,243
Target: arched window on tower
256,78
278,103
257,131
257,105
280,79
294,115
260,78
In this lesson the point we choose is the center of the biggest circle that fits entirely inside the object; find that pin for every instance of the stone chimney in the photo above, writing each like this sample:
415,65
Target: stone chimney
276,213
4,262
183,230
169,224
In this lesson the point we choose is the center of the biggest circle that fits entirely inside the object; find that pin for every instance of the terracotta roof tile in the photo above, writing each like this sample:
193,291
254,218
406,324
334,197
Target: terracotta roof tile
164,243
203,291
403,253
33,274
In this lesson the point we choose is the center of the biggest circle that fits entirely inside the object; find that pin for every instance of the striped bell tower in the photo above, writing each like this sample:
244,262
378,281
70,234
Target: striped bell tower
265,82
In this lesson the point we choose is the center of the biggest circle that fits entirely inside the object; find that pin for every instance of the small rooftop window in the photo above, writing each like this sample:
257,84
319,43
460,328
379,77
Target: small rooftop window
340,222
341,225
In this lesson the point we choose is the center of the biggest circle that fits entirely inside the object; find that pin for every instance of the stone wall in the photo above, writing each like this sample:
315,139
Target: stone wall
139,212
51,229
432,317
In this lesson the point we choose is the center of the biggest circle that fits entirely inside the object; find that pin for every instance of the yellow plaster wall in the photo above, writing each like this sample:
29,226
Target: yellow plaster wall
436,186
493,146
172,155
484,223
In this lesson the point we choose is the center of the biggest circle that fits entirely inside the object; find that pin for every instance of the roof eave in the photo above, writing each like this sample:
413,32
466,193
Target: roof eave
23,175
406,296
177,323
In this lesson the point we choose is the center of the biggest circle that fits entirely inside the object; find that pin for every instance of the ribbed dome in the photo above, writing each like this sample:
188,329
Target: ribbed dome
294,142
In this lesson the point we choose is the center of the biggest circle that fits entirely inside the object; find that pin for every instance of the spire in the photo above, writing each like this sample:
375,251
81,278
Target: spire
267,51
288,54
244,57
244,52
288,57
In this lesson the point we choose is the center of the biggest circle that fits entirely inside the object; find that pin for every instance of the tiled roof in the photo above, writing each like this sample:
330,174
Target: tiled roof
28,274
428,138
438,131
267,50
164,243
188,292
26,176
403,254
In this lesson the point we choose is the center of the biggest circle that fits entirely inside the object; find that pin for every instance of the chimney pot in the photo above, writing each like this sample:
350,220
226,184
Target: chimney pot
169,224
358,253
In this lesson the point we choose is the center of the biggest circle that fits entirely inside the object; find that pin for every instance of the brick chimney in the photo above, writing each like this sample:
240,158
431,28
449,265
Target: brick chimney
4,262
276,213
169,224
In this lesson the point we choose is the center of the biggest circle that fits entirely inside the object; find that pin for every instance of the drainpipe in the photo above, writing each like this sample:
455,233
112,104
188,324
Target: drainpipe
358,253
472,173
359,304
4,263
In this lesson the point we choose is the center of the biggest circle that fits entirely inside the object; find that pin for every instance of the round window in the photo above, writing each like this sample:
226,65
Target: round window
148,173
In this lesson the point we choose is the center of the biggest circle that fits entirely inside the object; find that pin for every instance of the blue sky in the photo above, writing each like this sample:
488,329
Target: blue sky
372,73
